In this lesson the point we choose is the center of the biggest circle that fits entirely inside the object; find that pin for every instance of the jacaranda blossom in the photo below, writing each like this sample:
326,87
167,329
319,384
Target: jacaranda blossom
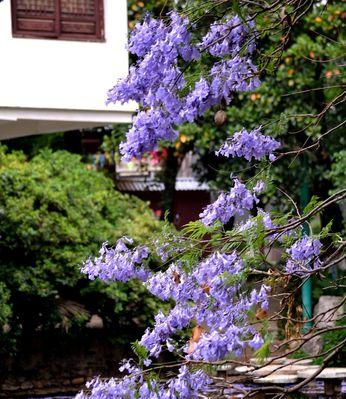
249,145
303,255
156,81
238,200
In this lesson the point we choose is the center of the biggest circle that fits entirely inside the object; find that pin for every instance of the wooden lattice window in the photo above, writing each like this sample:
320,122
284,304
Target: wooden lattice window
58,19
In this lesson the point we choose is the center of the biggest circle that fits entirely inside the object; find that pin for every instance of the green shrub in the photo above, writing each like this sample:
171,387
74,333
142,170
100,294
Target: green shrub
55,213
331,340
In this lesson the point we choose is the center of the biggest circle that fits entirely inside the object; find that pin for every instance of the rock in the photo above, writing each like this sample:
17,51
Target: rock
333,373
307,372
38,384
273,254
264,371
271,370
261,372
78,381
292,369
314,346
303,362
342,265
274,369
244,369
277,379
95,322
271,360
8,387
26,385
225,367
325,306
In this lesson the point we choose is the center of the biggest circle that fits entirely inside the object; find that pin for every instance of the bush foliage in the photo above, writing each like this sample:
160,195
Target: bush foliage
55,213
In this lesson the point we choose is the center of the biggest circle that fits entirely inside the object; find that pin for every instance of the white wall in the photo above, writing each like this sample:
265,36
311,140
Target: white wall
57,74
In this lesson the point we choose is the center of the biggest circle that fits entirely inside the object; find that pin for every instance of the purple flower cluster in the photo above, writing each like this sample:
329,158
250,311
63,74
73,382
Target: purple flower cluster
249,145
164,327
185,385
148,127
235,75
229,38
231,333
208,298
110,389
119,263
156,81
303,255
236,202
144,36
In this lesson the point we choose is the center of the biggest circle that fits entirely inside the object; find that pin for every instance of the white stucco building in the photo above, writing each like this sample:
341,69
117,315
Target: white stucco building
58,59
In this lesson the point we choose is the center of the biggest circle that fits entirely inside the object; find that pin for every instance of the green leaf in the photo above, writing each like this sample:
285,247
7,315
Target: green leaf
139,350
264,351
314,202
326,230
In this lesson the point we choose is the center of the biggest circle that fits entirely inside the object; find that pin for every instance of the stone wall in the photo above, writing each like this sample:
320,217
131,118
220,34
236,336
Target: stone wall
47,365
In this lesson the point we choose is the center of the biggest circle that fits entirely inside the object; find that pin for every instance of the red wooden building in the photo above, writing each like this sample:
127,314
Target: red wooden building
190,196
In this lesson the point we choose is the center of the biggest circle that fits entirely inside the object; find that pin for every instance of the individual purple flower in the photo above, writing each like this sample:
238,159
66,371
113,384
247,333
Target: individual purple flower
249,145
169,344
303,255
247,225
252,221
259,187
266,219
236,202
162,250
260,296
129,366
256,342
272,157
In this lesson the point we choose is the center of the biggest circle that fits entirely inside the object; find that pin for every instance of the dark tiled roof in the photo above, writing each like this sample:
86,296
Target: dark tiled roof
140,184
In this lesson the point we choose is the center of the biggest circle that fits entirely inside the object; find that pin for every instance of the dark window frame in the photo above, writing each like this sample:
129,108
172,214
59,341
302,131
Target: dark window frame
98,36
